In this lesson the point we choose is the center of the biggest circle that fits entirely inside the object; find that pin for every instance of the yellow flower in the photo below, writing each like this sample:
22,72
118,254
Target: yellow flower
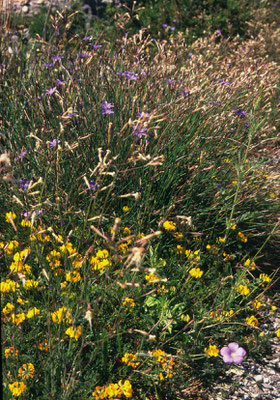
126,209
17,318
243,290
8,286
126,388
232,225
212,351
242,237
10,216
265,278
169,226
130,360
73,276
196,273
30,283
185,317
178,235
22,302
26,371
74,333
17,388
26,223
43,346
32,312
61,315
11,246
222,239
10,350
252,321
278,332
7,309
179,249
256,304
250,264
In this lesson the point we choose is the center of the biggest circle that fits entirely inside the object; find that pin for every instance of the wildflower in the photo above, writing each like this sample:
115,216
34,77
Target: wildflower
179,249
196,273
8,286
222,239
243,290
30,284
51,91
178,235
130,359
17,388
26,371
7,309
74,333
10,216
128,302
126,209
169,226
152,277
252,321
32,312
24,183
21,155
17,318
233,353
250,264
10,350
106,108
25,223
278,332
22,302
242,237
265,278
60,82
212,351
73,276
240,113
139,131
61,315
43,346
54,142
164,26
256,304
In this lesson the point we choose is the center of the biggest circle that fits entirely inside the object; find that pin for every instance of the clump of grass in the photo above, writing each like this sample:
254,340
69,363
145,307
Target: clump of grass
139,196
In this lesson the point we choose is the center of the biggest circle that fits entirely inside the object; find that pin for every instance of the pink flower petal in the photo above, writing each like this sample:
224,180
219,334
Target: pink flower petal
225,351
233,346
240,352
238,359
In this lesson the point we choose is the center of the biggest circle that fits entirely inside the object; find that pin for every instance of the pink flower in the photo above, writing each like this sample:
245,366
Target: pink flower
232,353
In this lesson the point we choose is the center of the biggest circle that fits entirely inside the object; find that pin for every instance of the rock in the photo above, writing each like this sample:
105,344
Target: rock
258,378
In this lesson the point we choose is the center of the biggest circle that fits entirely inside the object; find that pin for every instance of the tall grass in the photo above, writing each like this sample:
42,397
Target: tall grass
134,240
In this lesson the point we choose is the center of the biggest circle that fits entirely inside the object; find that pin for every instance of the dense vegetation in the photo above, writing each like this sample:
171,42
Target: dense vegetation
139,199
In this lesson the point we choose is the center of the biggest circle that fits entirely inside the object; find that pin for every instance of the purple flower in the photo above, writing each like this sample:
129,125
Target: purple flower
21,155
106,108
93,185
57,58
172,28
175,21
240,113
128,74
87,38
24,183
190,54
232,353
139,131
96,46
164,26
82,55
51,91
171,81
54,142
219,32
143,114
60,82
48,65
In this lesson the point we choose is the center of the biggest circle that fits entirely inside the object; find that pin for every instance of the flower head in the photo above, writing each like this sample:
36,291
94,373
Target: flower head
232,353
106,108
51,91
212,351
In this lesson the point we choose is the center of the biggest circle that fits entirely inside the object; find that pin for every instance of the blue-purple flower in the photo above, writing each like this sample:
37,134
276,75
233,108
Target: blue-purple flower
24,183
106,108
51,91
139,131
54,142
240,113
60,82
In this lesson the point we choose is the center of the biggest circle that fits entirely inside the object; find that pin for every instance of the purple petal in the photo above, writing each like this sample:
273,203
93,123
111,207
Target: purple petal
233,346
228,359
238,359
225,351
240,352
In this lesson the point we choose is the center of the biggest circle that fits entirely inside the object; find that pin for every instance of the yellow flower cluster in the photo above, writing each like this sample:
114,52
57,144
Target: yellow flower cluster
11,246
130,360
152,277
10,216
113,391
32,312
243,238
25,223
250,264
196,273
278,332
43,346
100,261
212,351
30,284
26,371
17,318
41,235
18,262
17,388
243,290
256,304
73,332
252,321
7,310
73,276
8,286
169,226
10,351
129,303
265,278
165,360
218,315
62,315
193,256
185,317
212,248
179,249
